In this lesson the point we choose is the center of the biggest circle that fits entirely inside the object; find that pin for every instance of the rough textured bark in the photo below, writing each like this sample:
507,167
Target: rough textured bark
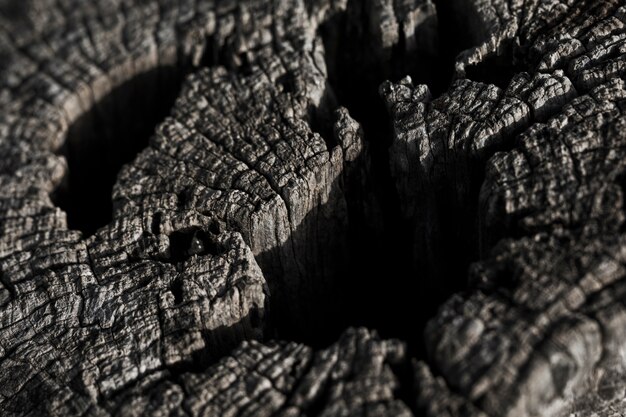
200,198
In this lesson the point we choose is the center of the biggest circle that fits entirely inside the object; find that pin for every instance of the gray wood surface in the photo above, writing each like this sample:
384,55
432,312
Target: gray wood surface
312,208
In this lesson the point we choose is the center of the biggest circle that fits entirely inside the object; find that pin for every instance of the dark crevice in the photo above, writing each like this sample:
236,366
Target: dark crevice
182,198
406,389
395,281
380,277
453,240
321,118
177,290
155,225
459,30
105,138
286,82
373,278
498,69
455,36
194,241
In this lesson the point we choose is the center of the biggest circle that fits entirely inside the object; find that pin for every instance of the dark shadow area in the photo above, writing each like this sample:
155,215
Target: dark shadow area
384,290
455,35
105,138
460,29
310,299
396,277
187,243
377,285
446,229
495,69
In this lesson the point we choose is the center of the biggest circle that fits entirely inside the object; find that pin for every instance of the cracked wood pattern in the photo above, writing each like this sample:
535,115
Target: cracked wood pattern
227,253
539,330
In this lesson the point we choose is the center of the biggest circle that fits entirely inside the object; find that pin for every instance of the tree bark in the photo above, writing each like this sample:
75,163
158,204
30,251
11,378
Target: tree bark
205,205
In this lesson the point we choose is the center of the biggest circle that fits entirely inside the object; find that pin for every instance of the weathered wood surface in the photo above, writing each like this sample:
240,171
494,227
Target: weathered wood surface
542,330
221,281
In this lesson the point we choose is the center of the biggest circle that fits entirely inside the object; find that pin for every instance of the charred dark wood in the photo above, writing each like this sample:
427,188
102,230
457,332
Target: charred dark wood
199,199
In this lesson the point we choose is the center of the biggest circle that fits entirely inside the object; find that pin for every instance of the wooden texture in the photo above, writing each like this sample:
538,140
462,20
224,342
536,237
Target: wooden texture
202,202
537,163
